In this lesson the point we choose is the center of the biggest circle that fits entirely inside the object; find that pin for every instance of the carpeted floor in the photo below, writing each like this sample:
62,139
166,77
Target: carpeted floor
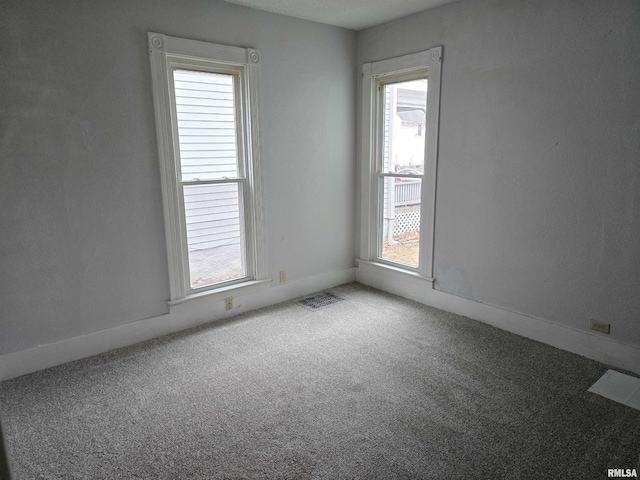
373,387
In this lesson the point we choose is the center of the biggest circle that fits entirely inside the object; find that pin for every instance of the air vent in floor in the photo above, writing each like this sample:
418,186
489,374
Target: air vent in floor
319,300
619,387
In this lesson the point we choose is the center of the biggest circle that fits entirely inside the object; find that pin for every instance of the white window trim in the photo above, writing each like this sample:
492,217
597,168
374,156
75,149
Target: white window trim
165,51
431,60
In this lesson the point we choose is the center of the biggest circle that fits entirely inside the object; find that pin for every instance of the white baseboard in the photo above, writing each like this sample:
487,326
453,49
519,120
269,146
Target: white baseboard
205,310
586,344
182,316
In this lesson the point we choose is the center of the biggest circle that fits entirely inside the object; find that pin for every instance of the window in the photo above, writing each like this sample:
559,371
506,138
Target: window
206,118
401,99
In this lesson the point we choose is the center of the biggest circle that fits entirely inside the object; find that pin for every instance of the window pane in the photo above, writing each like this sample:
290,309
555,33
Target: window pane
400,217
405,106
205,108
214,233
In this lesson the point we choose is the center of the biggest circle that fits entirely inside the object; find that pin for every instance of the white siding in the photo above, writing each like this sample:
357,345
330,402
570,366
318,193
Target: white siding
206,125
212,215
208,150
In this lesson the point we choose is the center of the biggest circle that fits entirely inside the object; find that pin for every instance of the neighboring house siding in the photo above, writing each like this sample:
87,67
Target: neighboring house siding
212,215
208,150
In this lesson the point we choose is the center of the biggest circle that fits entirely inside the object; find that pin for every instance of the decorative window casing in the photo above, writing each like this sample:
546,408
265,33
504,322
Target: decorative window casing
206,108
382,186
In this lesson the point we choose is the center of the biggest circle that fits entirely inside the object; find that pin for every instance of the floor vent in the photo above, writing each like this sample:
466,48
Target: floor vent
319,300
619,387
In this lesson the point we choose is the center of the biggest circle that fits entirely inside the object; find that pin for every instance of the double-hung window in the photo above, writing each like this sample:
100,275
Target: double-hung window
401,98
206,118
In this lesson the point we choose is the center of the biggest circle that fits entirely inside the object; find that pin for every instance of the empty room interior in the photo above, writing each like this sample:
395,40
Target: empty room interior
333,239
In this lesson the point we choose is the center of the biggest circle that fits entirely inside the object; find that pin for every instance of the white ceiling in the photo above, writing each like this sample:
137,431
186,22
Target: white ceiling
353,14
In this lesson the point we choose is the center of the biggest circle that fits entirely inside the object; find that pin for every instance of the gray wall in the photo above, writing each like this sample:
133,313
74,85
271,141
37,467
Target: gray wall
82,244
538,185
538,200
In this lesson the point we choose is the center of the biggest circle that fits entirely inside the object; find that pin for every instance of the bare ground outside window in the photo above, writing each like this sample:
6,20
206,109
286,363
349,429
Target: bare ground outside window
405,250
215,265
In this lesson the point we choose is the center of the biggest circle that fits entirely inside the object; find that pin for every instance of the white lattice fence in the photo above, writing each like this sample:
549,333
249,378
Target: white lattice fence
406,222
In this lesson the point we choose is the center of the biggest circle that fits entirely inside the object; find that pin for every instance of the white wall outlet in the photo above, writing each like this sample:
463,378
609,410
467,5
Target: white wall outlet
228,303
283,276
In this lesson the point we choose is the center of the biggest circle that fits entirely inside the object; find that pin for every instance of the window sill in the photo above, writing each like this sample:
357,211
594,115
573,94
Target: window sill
237,289
392,269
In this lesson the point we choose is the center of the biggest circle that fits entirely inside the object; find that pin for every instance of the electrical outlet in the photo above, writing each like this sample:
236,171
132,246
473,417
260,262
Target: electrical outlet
228,303
600,326
283,276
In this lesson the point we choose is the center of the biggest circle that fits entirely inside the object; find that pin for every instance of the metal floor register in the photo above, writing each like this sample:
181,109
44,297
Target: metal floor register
319,300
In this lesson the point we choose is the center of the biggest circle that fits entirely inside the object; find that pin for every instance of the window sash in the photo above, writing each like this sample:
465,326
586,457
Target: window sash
239,101
244,215
247,261
381,172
